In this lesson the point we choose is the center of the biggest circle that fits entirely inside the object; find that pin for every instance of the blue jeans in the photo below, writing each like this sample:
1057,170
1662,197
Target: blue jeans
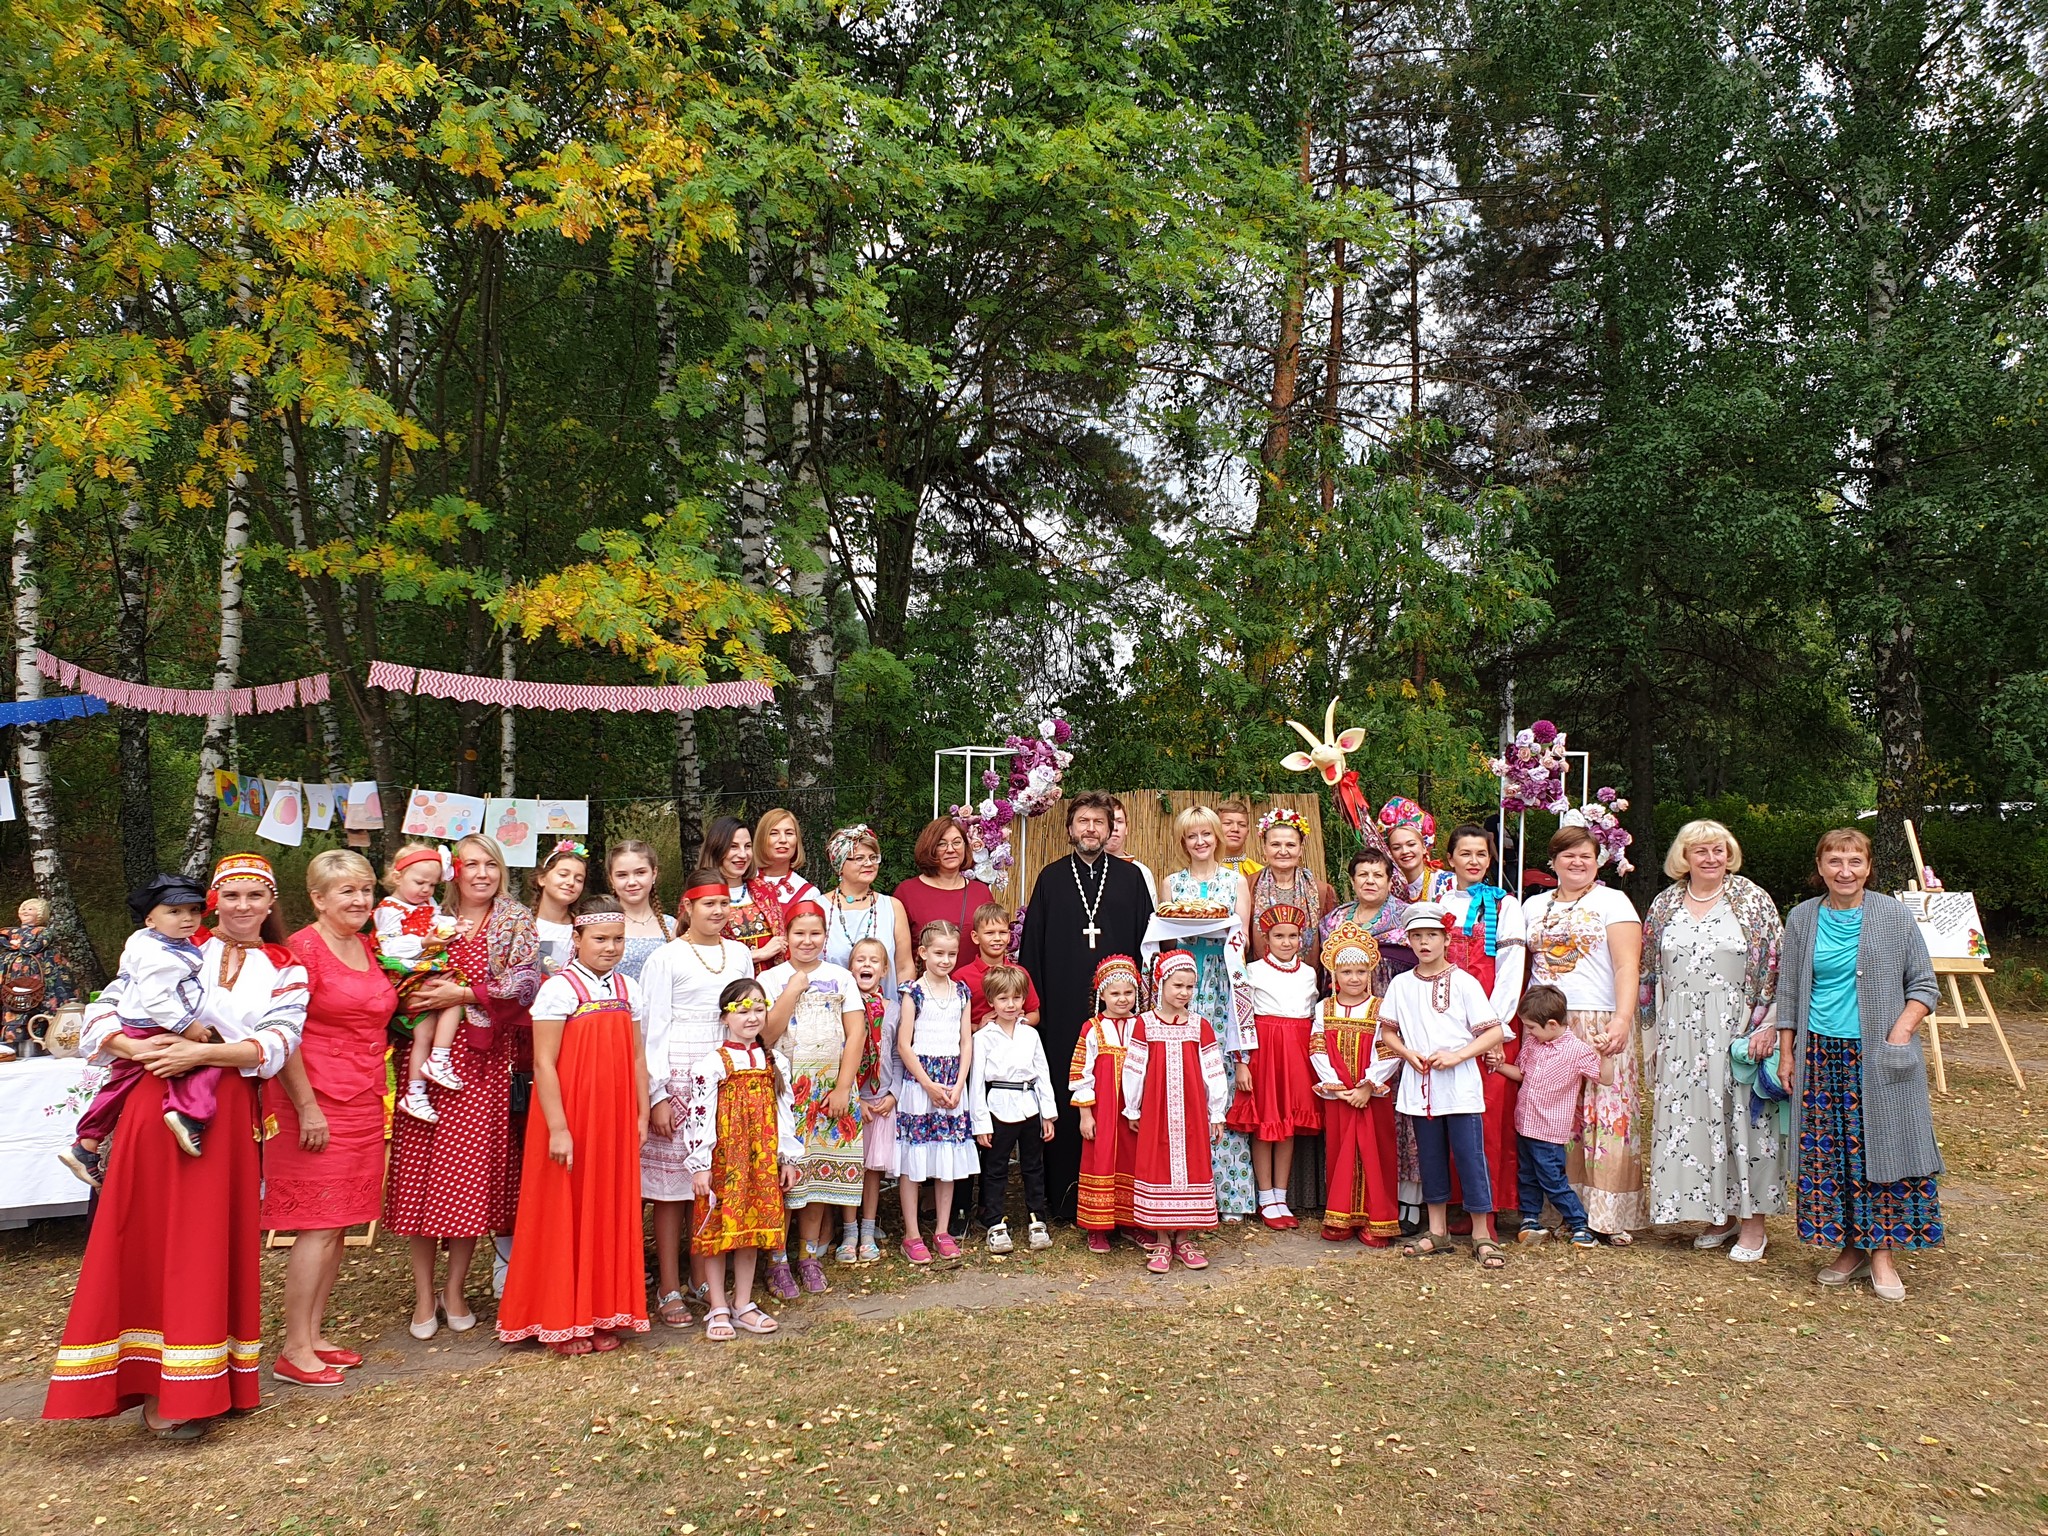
1439,1139
1542,1177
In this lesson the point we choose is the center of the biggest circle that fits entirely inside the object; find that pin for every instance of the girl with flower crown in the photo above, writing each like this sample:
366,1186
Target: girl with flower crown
1175,1095
1410,834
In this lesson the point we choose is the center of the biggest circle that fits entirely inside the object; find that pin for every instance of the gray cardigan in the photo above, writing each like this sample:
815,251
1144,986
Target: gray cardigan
1892,969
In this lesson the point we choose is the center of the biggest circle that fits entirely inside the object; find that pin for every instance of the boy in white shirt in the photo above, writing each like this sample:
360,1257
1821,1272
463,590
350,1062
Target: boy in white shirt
1443,1023
1009,1096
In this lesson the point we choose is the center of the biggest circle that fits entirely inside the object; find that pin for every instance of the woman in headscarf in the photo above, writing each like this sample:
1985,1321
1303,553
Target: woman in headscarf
856,910
168,1310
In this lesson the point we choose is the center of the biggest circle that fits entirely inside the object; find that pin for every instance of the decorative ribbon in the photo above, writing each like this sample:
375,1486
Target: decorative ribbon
265,699
518,693
69,706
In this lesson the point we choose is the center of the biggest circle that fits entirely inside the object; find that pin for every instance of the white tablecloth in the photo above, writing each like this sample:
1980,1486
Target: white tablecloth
40,1102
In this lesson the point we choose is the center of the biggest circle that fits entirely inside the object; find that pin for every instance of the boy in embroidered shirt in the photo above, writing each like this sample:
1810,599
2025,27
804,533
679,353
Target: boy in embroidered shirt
158,991
1555,1065
1010,1104
991,930
1442,1022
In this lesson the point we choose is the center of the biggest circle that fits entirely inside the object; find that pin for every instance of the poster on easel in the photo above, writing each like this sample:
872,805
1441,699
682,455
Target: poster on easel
1948,923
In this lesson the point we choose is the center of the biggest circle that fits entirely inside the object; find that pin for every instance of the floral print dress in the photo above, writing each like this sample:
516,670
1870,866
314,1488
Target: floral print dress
1710,1158
1216,1001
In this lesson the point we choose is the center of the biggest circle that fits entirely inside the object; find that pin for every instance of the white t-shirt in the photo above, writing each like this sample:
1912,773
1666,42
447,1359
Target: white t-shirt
556,999
1285,994
1442,1013
1568,945
1510,952
557,943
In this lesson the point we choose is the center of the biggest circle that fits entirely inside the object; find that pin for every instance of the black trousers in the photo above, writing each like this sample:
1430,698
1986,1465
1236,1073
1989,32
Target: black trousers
1028,1139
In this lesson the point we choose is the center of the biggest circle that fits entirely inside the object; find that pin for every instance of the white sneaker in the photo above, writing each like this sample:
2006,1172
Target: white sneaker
441,1075
1040,1238
415,1104
999,1238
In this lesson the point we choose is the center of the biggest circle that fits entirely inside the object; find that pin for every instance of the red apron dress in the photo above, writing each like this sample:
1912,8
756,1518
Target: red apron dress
1173,1186
745,1209
1108,1163
577,1266
1283,1100
169,1302
1358,1144
757,921
1467,951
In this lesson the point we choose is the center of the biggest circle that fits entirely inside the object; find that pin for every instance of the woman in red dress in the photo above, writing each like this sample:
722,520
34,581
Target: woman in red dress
324,1169
456,1180
577,1278
168,1311
940,891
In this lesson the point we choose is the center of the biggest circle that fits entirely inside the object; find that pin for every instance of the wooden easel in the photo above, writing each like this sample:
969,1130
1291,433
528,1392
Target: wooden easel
1948,970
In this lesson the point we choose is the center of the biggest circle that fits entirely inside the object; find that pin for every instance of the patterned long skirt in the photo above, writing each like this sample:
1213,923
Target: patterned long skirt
1604,1161
1838,1206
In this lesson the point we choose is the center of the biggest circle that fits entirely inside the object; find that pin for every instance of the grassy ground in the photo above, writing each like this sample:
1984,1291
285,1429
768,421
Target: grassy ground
1290,1390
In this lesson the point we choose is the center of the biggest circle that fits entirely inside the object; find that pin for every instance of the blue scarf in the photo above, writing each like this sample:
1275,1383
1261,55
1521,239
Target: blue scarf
1486,901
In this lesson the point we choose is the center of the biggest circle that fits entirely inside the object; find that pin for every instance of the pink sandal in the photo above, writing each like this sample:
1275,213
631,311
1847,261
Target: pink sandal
1189,1255
948,1246
1159,1259
915,1250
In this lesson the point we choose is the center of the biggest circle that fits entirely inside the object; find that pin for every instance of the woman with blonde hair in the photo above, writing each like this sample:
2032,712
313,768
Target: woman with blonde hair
458,1180
324,1169
1854,986
1717,1150
779,858
1219,954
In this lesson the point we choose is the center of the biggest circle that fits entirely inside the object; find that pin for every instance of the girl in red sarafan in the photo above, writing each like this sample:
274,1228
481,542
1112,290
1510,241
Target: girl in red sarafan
1109,1154
1175,1094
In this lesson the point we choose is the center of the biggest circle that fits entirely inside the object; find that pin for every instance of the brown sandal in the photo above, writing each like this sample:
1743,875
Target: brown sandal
1489,1255
1428,1246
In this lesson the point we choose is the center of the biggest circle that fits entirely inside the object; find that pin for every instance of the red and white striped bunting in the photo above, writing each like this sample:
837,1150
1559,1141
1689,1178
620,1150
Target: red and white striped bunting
264,699
519,693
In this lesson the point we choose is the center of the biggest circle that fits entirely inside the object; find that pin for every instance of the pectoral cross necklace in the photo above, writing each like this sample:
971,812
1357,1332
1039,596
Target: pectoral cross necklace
1092,931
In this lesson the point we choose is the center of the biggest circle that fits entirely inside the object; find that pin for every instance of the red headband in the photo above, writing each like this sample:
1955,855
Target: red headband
406,861
800,908
707,889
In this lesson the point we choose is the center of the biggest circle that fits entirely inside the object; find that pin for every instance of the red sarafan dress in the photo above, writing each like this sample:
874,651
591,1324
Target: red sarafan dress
1358,1144
577,1267
1109,1163
169,1301
1173,1079
1467,951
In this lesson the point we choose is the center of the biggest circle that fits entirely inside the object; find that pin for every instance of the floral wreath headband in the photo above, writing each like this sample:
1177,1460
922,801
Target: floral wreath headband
1284,816
571,847
745,1005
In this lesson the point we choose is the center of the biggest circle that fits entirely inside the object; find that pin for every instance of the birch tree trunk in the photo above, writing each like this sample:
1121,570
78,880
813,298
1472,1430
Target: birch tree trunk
1286,372
32,761
227,666
299,497
131,645
814,650
757,763
686,773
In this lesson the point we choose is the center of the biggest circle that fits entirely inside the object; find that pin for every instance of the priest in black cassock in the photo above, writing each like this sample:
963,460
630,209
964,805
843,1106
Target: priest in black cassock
1085,907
